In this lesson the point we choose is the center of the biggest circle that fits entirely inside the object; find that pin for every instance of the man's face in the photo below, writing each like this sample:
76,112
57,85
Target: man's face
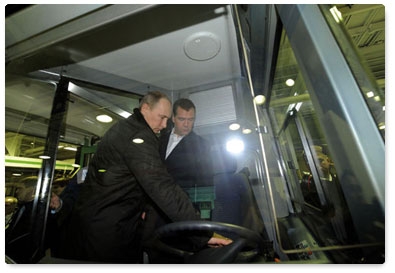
183,121
157,116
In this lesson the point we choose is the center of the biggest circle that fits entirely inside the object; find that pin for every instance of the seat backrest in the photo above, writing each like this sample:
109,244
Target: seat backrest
234,200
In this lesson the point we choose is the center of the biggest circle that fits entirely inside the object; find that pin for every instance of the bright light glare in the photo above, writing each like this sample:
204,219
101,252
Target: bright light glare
235,146
125,114
138,140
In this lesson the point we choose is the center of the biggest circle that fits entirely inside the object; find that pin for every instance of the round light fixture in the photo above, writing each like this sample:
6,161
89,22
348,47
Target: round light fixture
104,118
259,100
290,82
234,126
246,131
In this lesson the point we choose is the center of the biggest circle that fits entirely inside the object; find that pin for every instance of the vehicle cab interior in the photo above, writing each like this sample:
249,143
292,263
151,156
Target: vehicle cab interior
291,98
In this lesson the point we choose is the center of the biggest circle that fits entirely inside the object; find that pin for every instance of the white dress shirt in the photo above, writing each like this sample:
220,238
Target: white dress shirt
174,139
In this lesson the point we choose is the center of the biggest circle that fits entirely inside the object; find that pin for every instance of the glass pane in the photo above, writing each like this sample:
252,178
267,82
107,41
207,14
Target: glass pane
367,33
26,123
28,106
315,188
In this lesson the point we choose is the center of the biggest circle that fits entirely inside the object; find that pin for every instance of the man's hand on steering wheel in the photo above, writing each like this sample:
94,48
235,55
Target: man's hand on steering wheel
218,240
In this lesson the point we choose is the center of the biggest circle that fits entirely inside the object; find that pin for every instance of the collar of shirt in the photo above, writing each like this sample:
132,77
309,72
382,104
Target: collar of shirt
174,139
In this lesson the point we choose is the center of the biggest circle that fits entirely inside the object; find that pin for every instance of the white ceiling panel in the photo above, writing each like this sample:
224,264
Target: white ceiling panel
162,62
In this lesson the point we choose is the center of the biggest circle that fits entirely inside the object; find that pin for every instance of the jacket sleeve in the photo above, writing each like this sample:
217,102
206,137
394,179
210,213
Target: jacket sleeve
144,162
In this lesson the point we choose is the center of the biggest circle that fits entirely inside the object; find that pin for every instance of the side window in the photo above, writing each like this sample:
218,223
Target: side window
310,171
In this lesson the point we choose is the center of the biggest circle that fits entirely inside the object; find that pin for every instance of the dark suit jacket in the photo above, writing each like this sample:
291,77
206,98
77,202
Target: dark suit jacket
190,162
124,177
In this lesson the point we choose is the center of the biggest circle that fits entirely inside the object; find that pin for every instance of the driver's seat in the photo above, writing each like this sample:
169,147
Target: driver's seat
234,200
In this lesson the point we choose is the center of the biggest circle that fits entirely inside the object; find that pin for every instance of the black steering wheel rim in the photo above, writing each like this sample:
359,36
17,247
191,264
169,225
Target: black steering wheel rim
246,237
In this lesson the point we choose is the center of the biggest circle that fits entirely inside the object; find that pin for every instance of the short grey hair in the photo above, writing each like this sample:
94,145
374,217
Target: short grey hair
152,98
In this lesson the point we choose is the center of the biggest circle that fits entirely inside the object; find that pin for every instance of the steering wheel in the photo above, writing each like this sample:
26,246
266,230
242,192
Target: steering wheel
243,238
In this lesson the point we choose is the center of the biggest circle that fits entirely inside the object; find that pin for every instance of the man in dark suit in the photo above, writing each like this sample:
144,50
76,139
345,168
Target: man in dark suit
186,154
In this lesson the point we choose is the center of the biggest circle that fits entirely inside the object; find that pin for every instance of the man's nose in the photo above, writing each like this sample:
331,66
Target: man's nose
164,124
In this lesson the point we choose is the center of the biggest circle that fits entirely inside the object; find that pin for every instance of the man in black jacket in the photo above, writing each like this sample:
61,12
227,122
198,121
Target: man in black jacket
186,154
187,158
125,175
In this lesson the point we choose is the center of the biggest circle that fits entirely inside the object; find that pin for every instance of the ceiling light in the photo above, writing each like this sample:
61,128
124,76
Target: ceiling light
381,125
125,114
234,126
246,131
336,14
220,10
259,100
370,94
71,148
104,118
290,82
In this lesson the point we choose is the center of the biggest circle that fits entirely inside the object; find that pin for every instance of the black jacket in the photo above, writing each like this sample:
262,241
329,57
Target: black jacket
190,162
123,177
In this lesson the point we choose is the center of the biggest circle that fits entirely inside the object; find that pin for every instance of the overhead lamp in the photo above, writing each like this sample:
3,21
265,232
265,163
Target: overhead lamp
290,82
259,100
370,94
381,125
71,148
246,131
104,118
337,15
234,127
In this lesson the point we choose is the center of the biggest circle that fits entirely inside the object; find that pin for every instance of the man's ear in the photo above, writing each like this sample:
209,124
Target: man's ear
144,108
